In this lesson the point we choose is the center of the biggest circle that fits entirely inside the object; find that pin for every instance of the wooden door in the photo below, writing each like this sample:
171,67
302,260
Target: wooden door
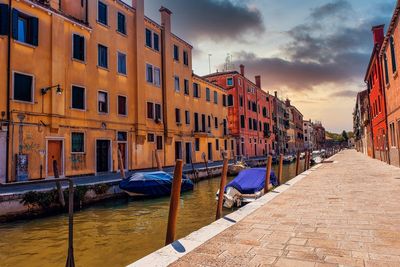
103,155
122,148
54,153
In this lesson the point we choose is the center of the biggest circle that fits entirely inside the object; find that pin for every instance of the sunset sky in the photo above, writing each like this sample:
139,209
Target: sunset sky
313,51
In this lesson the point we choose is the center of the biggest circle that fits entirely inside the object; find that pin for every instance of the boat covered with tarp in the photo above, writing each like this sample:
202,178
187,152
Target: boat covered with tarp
152,184
247,187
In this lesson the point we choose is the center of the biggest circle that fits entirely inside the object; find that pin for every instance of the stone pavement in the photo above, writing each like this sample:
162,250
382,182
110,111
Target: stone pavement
345,213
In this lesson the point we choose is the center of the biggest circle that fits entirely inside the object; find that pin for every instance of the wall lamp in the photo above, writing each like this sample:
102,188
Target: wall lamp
58,90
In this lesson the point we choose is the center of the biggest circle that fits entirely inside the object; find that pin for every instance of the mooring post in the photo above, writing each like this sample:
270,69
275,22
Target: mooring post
268,174
224,175
71,259
305,160
58,184
297,162
174,202
280,169
158,161
121,164
309,160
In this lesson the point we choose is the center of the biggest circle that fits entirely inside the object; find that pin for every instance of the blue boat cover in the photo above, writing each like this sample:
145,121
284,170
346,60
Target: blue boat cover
153,183
250,181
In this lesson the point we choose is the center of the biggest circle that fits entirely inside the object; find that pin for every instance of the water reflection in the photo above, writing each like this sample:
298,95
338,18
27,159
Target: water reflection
115,233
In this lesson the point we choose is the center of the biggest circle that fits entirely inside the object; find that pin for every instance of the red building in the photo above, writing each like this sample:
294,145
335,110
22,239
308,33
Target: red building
250,112
375,83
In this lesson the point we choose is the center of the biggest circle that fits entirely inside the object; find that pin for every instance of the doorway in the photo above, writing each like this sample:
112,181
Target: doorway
55,153
3,148
210,153
188,154
103,156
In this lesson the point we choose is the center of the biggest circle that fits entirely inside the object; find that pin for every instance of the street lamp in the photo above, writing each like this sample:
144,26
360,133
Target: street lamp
46,89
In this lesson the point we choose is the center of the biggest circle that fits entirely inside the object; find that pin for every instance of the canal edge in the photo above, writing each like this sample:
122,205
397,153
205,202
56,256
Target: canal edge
173,252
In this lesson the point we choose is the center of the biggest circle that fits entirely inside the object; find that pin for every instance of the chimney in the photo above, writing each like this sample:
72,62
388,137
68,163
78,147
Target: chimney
276,94
258,81
242,69
166,18
378,34
287,102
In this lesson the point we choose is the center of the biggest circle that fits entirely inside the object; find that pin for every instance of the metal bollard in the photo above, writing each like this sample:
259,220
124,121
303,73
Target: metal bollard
224,175
174,202
268,174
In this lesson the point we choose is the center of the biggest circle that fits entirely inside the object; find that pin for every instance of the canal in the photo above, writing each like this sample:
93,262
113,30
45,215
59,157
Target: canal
115,233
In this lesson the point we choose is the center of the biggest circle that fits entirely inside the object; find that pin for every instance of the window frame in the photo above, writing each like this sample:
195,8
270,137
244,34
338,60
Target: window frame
186,87
32,87
126,105
84,48
108,102
148,139
187,117
98,13
84,100
98,57
151,37
118,29
159,137
177,82
152,73
227,81
185,58
175,55
126,65
84,143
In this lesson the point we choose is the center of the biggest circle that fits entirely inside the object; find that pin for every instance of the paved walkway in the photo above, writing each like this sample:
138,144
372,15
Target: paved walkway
345,213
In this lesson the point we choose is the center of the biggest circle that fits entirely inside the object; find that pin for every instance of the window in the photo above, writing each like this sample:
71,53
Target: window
103,102
209,121
250,124
240,82
229,81
232,145
4,17
176,53
122,105
102,13
77,142
102,56
392,135
241,100
150,110
177,84
215,97
242,122
187,117
230,100
25,28
217,144
178,116
78,47
197,144
78,98
121,63
149,73
122,136
208,95
149,42
150,138
159,142
393,54
23,87
157,108
225,144
156,41
157,77
216,122
385,61
185,58
121,23
224,100
186,87
255,125
196,90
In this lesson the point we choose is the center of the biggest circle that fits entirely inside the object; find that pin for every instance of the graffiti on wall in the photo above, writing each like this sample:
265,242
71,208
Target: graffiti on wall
78,162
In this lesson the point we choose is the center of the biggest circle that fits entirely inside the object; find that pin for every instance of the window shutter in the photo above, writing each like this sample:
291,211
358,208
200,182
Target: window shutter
82,47
15,24
35,31
4,17
76,46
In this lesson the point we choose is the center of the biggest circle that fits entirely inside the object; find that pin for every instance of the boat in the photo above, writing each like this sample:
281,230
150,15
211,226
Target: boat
288,159
316,157
152,184
237,167
246,187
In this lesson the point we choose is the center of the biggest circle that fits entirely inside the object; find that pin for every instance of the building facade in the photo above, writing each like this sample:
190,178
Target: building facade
362,124
281,120
389,56
86,80
250,112
295,132
320,135
373,78
308,133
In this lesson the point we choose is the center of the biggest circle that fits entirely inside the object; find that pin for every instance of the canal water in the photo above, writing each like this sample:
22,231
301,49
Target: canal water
114,233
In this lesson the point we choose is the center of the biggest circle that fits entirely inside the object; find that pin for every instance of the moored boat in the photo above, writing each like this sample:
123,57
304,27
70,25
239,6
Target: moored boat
246,187
288,159
237,167
152,184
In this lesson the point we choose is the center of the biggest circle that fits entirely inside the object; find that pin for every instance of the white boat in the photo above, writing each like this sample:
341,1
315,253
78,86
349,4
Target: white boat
316,157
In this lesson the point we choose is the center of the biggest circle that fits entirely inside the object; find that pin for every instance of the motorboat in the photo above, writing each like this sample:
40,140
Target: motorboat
316,157
288,159
246,187
152,184
237,167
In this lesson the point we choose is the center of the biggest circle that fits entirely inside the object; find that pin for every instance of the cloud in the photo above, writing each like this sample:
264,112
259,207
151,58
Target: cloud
336,8
214,19
345,93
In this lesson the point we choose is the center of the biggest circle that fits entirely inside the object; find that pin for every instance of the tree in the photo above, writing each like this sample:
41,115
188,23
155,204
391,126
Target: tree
345,136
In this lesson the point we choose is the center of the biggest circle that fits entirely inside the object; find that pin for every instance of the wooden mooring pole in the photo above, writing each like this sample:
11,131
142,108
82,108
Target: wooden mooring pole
121,164
224,175
58,184
174,202
268,175
298,162
280,169
305,160
158,161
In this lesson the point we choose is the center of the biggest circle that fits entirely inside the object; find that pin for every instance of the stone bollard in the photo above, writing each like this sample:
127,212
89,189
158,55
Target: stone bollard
174,202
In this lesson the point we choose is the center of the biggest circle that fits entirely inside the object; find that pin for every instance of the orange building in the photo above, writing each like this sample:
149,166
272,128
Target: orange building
87,79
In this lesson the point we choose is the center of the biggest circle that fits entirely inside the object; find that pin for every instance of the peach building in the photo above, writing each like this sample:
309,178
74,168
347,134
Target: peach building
87,79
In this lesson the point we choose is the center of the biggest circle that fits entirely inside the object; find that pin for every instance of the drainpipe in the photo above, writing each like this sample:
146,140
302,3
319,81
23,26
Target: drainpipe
164,92
386,111
8,89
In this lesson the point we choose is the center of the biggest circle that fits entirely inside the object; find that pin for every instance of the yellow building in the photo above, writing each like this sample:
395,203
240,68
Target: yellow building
90,78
